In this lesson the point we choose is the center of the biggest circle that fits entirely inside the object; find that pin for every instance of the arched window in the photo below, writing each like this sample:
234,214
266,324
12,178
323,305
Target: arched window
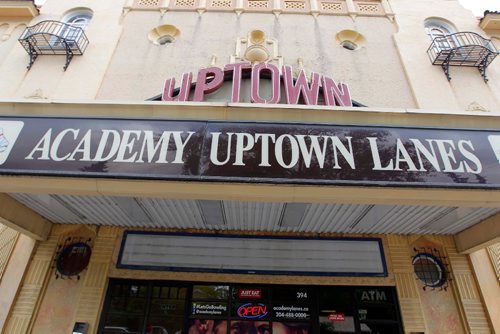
78,18
77,21
438,30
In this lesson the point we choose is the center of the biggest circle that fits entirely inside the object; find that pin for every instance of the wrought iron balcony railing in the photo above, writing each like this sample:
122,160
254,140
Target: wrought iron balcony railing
462,49
53,38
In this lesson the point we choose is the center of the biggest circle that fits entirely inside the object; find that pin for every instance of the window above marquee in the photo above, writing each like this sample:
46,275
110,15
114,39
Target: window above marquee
435,27
79,18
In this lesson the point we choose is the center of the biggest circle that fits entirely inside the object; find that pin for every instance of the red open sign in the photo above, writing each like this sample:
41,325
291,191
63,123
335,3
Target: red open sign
252,311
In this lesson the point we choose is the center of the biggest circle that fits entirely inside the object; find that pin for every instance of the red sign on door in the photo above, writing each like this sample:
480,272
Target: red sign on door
336,317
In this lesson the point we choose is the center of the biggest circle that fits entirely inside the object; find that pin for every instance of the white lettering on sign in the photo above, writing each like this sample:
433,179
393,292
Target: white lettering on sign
373,296
285,150
442,155
288,149
116,146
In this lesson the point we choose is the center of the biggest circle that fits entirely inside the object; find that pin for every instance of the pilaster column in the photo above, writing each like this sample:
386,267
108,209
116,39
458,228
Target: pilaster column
409,299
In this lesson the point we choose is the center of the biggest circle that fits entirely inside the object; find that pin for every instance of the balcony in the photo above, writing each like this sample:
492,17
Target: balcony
54,38
462,49
18,8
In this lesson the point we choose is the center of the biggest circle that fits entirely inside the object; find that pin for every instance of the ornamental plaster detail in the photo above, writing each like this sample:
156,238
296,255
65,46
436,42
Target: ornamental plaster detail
257,47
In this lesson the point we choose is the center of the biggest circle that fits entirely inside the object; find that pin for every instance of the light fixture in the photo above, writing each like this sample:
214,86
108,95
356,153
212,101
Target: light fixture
163,34
132,209
212,212
61,207
449,217
293,214
371,216
350,39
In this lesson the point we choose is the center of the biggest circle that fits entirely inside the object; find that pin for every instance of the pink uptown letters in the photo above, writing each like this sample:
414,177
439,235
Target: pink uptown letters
211,79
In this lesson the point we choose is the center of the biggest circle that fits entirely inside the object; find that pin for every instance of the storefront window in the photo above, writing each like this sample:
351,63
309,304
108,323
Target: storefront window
250,327
127,304
336,311
184,308
377,310
216,292
291,328
144,308
209,309
358,310
166,313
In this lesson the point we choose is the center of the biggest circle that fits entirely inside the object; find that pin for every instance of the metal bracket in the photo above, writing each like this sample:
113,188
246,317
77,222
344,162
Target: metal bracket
69,55
482,67
33,55
446,67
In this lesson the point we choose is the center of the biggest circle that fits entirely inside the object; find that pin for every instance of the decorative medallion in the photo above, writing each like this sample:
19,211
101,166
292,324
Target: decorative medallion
431,268
73,257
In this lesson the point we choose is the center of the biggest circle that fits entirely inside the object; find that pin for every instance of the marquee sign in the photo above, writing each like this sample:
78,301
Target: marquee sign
261,255
250,152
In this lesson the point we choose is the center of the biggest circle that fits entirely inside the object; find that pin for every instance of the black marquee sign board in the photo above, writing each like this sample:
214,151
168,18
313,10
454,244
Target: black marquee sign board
287,153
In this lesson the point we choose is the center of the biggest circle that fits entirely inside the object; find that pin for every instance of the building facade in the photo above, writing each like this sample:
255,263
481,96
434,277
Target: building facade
249,166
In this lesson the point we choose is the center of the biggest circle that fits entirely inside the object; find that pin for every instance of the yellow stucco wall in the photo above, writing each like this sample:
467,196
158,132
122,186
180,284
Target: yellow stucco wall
486,264
15,254
8,238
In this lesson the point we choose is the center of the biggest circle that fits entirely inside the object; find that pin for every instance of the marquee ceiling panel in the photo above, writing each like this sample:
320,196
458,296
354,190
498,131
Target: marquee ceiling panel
135,212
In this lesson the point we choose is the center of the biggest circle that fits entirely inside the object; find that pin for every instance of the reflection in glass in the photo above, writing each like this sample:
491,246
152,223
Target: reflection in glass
166,313
380,328
290,328
207,326
250,327
336,311
126,310
210,292
330,326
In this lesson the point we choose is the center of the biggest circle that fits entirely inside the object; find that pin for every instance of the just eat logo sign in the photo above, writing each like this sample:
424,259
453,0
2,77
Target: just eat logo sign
250,293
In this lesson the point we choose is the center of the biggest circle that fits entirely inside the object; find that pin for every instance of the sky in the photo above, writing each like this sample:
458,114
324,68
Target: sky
479,6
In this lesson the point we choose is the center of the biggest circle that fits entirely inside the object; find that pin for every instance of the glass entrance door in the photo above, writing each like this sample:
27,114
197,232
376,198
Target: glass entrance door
142,307
363,310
